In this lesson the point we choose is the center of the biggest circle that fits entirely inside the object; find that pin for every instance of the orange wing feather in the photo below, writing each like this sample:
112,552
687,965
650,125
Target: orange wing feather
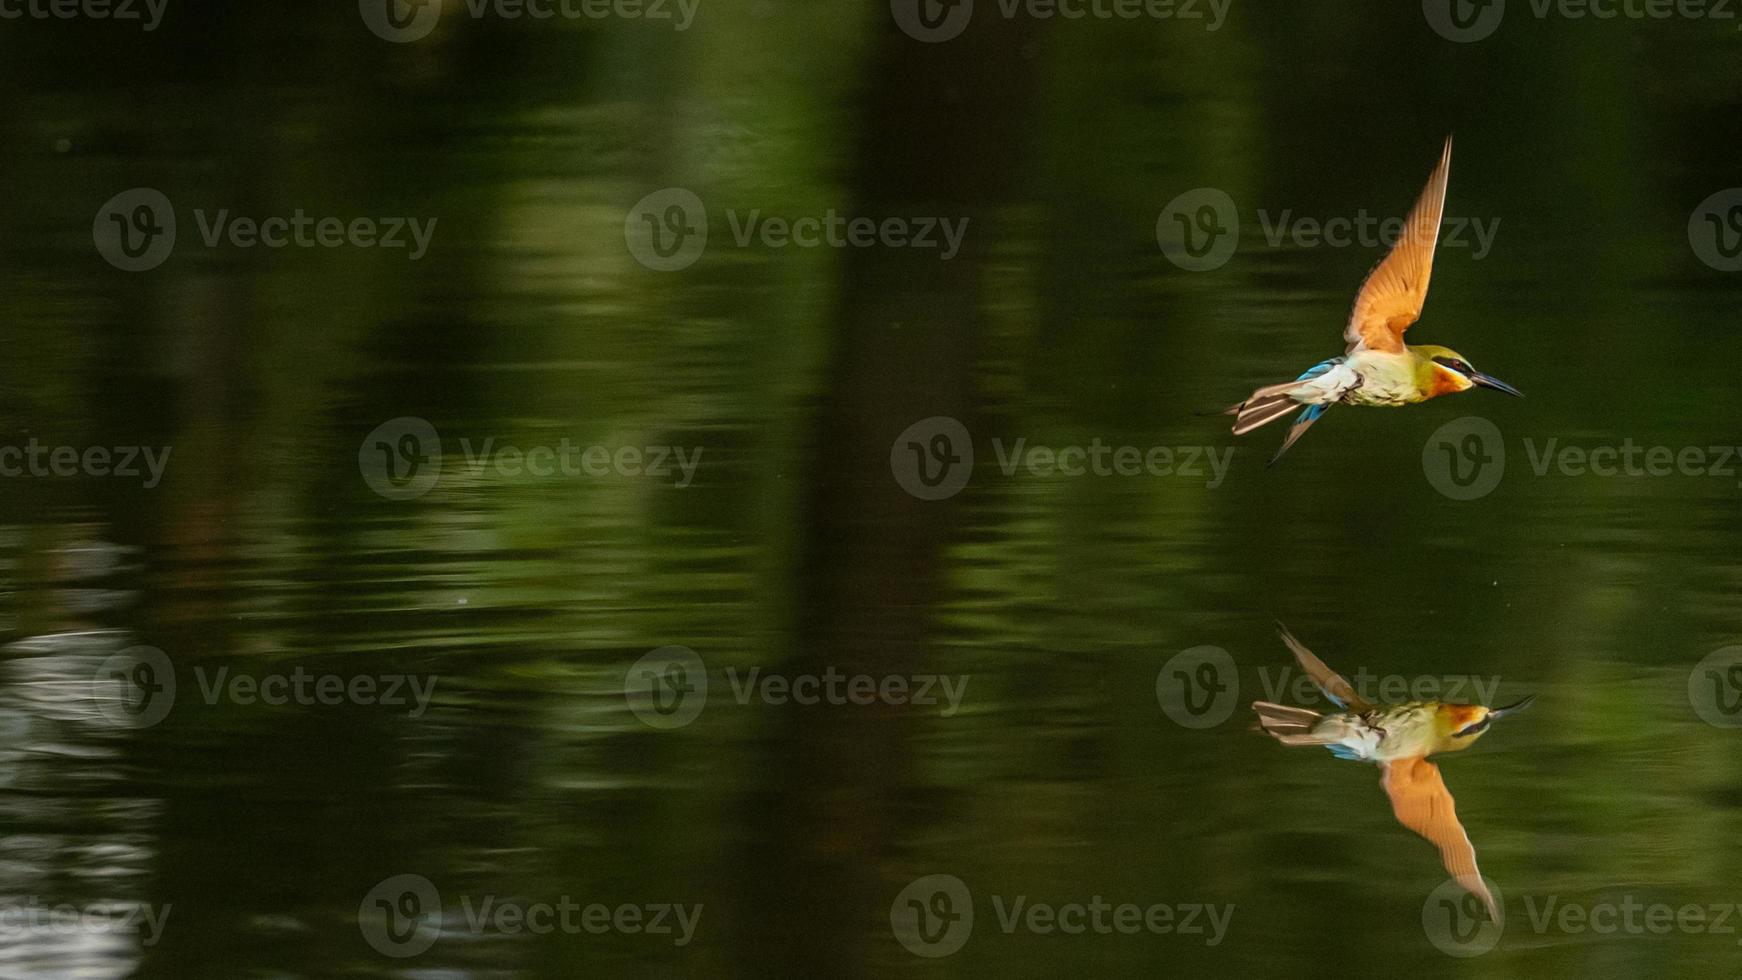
1391,299
1334,685
1423,804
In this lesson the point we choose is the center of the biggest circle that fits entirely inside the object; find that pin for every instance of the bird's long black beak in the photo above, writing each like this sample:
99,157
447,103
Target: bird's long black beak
1488,381
1516,706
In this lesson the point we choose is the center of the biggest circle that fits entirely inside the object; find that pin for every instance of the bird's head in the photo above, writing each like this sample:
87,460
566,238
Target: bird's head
1451,372
1462,724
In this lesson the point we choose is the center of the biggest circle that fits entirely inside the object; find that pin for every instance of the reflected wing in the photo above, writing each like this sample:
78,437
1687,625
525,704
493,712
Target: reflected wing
1329,681
1423,804
1391,298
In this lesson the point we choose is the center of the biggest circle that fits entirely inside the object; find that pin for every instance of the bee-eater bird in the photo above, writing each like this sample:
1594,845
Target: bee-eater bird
1377,367
1398,738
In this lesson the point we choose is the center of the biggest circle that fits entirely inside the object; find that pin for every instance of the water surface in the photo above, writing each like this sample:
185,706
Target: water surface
528,778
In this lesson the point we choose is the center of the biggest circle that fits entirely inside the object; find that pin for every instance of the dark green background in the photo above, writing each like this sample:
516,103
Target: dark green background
1060,322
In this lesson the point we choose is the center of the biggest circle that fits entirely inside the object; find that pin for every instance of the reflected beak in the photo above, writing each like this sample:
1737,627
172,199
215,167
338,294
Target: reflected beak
1511,708
1495,383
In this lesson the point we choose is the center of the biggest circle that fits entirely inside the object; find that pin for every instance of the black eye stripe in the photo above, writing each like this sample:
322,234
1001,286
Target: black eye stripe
1476,728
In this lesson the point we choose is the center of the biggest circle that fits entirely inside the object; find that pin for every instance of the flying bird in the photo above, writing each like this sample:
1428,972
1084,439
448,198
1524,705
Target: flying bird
1377,367
1398,738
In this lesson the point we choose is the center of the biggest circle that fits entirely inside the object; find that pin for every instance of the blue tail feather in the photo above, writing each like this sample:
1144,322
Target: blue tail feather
1306,418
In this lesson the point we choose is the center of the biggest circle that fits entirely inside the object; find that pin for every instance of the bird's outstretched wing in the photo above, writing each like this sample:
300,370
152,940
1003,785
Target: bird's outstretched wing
1423,804
1391,298
1335,686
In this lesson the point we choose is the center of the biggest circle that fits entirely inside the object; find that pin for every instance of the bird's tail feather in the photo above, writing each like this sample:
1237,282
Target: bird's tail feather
1302,422
1265,393
1290,726
1307,738
1262,409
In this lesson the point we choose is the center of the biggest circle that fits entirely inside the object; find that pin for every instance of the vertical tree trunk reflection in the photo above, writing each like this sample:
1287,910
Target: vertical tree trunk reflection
943,131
